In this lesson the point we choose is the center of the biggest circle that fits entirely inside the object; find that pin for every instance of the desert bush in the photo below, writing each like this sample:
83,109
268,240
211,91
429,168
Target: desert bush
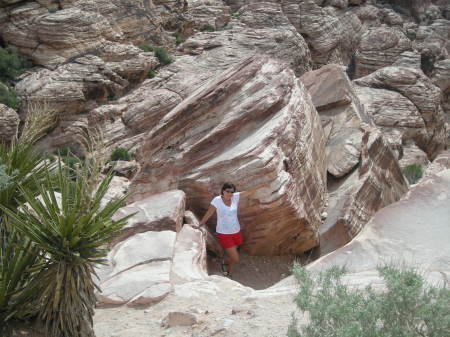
11,65
162,56
151,74
119,153
208,28
8,96
413,173
178,38
146,48
407,308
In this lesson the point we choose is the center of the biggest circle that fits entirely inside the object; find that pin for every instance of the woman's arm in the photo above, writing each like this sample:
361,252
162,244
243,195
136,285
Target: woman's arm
209,212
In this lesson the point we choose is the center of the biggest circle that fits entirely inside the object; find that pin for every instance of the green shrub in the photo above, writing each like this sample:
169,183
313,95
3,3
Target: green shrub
146,48
52,9
162,56
8,97
11,65
407,308
413,173
151,74
179,38
236,15
120,153
208,28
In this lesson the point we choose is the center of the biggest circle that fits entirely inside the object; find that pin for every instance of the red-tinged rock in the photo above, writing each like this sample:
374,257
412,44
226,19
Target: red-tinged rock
253,125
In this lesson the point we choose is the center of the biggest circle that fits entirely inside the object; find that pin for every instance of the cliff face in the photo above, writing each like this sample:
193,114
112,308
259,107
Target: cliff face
312,104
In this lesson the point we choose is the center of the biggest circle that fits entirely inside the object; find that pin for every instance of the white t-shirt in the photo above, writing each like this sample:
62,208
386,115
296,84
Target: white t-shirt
227,220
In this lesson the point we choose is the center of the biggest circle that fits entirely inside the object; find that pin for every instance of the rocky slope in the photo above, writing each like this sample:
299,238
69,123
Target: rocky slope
315,106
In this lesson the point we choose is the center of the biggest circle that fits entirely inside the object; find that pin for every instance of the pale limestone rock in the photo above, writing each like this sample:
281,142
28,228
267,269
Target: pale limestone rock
440,163
433,41
158,212
413,155
209,13
9,122
117,189
376,183
417,223
141,285
142,248
124,168
256,110
409,59
380,47
189,256
426,97
212,245
333,38
333,96
396,115
176,318
390,17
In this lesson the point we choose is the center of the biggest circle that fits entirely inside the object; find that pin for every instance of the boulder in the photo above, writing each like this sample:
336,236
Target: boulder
117,189
142,285
423,94
139,249
353,200
189,256
398,117
176,318
158,212
333,37
412,155
380,47
212,244
254,125
416,223
9,122
341,116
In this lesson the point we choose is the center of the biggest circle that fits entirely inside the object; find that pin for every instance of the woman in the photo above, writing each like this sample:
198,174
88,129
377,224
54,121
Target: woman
228,228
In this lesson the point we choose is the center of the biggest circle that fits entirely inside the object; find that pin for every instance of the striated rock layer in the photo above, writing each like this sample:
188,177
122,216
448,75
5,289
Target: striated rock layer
256,126
9,122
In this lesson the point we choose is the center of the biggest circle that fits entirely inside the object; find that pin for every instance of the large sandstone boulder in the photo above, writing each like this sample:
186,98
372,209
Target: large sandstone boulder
417,223
380,47
376,183
9,122
189,256
341,116
254,125
422,93
138,270
158,212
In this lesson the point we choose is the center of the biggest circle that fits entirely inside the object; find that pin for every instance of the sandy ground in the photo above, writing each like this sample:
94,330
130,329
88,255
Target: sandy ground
257,314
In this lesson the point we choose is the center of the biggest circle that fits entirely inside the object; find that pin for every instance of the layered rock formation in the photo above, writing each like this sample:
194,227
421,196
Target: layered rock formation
254,124
364,175
417,223
9,122
52,33
430,134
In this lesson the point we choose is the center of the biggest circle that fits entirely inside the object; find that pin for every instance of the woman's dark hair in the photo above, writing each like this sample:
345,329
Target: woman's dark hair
227,186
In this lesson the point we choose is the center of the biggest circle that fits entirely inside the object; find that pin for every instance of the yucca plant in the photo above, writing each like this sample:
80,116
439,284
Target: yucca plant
20,165
70,227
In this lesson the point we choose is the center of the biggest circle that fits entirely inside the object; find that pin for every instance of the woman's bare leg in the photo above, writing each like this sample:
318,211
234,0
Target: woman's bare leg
232,257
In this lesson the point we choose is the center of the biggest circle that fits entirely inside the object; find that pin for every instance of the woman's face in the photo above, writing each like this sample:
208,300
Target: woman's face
228,193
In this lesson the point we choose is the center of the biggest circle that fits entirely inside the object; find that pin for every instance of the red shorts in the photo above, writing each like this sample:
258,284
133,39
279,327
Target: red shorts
229,240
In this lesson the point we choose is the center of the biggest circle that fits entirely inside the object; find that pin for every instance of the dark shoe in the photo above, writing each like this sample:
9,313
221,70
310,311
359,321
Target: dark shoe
227,274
